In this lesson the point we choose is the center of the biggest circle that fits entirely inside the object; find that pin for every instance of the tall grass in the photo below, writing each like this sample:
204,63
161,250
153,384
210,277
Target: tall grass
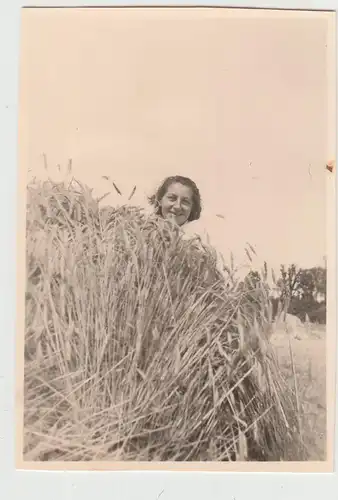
138,348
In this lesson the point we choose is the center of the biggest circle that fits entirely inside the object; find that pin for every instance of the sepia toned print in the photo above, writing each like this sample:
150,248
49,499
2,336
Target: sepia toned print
175,178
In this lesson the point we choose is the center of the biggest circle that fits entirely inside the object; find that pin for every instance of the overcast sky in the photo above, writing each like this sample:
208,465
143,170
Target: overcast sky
236,102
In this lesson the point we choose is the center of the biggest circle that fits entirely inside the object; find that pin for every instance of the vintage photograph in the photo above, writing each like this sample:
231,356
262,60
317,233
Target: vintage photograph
174,171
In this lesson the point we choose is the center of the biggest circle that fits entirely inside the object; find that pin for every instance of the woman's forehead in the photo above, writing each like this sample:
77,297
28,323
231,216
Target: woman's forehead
178,188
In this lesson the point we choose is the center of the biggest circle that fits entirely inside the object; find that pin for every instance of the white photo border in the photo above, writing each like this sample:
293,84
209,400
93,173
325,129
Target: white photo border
117,485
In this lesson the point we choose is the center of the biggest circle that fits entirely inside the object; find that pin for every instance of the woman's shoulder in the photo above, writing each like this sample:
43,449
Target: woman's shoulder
195,231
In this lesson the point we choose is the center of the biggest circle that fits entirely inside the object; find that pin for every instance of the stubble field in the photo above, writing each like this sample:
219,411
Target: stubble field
309,361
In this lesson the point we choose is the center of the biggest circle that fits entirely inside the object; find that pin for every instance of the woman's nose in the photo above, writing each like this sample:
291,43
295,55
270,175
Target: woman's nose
177,204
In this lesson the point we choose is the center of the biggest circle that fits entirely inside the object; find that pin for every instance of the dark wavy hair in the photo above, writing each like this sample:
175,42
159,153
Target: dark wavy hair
156,198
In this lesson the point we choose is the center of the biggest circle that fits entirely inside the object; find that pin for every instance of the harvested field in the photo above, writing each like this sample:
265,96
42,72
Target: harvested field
310,365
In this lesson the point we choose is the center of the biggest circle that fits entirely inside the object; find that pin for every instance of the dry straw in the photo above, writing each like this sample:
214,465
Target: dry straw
138,348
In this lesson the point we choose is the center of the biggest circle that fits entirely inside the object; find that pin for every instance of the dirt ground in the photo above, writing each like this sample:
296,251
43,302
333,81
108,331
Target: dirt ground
309,353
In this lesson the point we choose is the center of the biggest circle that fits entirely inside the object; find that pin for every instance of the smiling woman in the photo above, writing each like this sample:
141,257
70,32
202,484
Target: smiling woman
178,198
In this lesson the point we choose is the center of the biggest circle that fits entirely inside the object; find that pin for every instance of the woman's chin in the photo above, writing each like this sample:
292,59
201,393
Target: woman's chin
175,220
172,218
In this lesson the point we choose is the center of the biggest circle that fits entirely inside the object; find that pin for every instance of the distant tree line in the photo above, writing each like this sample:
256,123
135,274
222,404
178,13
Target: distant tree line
297,291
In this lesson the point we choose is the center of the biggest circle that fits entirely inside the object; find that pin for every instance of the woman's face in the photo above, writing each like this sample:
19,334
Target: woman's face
177,203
